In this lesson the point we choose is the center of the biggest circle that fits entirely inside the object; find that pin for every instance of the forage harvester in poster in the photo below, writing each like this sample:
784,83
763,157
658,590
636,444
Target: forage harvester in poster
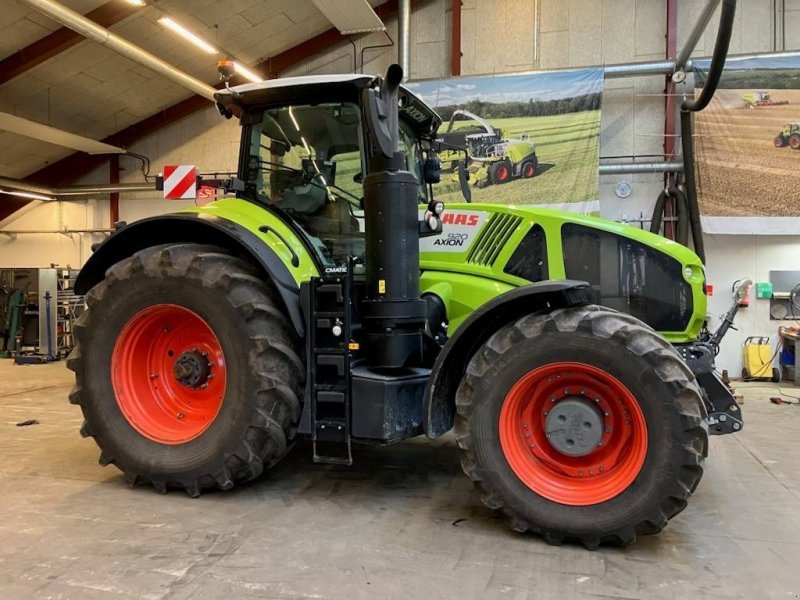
522,138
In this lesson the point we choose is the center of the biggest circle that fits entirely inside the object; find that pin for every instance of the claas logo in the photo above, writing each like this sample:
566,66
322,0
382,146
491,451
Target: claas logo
449,218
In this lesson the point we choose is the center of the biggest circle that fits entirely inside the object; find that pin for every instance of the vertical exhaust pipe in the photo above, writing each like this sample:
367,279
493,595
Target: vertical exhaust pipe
393,313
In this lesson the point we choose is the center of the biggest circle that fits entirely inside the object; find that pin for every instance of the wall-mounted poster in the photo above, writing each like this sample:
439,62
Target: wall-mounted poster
528,138
747,146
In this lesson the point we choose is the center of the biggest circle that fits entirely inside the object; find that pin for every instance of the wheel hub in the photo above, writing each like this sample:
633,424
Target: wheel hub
574,427
192,369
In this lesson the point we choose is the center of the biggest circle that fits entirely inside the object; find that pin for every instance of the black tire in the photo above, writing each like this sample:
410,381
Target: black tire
794,141
779,141
776,375
265,373
499,172
745,373
637,356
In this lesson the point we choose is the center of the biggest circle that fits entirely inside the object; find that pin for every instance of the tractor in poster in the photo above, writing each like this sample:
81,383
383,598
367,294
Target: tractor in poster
788,136
331,297
491,159
760,100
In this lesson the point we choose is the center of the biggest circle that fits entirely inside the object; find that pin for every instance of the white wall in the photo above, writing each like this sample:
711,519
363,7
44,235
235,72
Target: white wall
42,249
732,257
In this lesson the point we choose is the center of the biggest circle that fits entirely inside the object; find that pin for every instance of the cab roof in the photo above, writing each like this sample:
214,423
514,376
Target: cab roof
314,89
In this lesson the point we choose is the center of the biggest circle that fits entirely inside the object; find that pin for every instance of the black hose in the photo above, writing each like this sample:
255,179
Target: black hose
693,207
688,107
682,235
658,212
717,59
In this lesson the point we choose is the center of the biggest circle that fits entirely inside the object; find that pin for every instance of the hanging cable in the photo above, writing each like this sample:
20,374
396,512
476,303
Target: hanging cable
375,47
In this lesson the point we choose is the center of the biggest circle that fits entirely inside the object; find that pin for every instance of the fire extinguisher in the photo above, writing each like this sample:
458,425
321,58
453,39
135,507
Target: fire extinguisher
745,300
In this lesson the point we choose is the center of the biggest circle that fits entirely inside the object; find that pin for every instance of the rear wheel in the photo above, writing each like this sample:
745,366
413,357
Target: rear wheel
188,373
500,172
776,375
794,141
528,169
583,425
779,141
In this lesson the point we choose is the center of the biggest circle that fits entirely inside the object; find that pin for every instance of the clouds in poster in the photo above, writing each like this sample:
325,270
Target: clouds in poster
519,87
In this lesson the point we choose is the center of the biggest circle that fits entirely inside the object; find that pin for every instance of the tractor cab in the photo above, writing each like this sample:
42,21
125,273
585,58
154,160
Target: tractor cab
305,151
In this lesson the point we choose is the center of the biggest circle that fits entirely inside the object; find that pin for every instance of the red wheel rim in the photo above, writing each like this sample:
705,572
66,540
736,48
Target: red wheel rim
529,171
794,143
168,373
601,474
502,173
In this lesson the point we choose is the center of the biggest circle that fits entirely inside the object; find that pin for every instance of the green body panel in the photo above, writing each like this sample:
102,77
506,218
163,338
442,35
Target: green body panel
519,151
465,286
252,216
453,268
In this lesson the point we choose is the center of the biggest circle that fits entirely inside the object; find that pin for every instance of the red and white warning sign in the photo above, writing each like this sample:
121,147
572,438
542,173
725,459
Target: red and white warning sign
180,182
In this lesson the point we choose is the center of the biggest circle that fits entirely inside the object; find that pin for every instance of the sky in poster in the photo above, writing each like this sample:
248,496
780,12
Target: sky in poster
552,85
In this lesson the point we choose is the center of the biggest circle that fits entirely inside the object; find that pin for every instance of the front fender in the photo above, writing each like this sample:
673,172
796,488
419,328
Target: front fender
277,251
451,364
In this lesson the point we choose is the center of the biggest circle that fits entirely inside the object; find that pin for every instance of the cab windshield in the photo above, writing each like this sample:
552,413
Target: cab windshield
310,164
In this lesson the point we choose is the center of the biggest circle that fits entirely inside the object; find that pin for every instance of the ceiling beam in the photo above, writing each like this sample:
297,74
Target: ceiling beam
61,39
79,164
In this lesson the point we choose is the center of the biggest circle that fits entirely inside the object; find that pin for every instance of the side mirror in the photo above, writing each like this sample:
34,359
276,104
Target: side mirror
741,287
432,170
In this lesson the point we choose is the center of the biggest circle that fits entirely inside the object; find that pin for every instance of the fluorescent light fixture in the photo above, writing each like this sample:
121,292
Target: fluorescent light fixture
350,16
136,2
247,73
31,195
188,35
51,135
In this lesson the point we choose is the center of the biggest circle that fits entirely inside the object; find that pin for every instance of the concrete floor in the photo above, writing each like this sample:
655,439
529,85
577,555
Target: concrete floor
403,523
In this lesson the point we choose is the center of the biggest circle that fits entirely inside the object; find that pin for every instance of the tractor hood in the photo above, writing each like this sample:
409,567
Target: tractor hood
313,89
656,279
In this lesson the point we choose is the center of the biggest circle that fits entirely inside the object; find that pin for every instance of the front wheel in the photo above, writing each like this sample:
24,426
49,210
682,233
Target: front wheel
187,370
582,424
779,141
500,172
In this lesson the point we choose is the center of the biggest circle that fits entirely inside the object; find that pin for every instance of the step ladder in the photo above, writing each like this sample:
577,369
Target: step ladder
328,339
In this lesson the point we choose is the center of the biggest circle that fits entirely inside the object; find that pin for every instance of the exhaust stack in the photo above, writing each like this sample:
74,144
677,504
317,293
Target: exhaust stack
394,315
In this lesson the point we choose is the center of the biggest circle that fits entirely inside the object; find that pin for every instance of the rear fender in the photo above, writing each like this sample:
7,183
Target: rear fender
451,364
202,228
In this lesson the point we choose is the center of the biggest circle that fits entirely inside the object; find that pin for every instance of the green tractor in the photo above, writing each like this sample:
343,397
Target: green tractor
789,136
490,158
332,298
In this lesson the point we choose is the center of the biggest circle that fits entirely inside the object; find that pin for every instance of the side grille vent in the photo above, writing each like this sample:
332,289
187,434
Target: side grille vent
498,229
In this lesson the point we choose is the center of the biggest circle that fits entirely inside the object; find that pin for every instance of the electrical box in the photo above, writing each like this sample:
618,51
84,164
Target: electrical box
764,290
